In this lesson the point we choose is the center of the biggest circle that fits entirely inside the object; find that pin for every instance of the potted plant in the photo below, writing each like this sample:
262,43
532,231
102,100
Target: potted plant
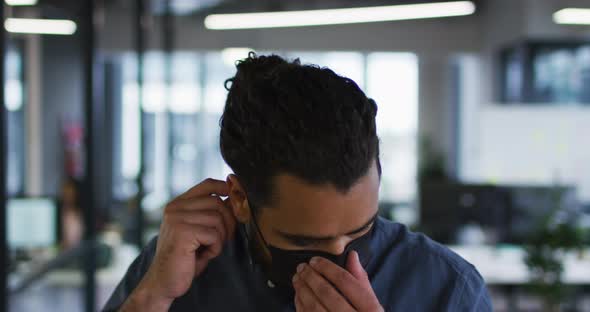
544,256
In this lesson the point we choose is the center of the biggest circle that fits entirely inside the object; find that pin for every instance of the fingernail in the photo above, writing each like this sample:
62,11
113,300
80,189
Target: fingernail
300,267
295,278
314,260
356,256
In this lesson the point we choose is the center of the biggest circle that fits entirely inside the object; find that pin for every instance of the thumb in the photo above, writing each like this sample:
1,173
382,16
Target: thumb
353,265
202,258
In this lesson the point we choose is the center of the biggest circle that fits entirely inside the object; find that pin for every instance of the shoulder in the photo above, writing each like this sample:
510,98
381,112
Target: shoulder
142,263
418,258
397,238
132,277
149,251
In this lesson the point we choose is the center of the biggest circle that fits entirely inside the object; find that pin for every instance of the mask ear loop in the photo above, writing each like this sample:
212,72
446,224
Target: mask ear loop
256,224
247,232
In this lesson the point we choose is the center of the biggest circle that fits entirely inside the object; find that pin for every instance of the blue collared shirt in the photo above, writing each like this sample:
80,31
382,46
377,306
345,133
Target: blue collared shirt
408,272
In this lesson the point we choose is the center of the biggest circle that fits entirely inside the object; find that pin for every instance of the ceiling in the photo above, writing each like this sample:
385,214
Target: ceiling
71,8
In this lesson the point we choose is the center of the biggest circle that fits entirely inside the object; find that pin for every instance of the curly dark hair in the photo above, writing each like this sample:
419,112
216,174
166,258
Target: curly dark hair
303,120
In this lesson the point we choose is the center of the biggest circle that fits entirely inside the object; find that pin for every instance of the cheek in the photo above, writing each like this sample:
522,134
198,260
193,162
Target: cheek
266,223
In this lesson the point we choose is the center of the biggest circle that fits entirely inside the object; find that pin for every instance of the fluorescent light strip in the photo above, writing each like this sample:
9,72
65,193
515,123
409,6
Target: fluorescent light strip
572,16
20,2
338,16
40,26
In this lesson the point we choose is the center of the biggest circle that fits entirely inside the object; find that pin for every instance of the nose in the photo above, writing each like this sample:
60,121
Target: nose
338,246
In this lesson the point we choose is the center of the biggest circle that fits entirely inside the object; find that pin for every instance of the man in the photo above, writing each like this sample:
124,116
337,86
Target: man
299,228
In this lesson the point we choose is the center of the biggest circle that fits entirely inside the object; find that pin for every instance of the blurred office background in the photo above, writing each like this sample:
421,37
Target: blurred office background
111,108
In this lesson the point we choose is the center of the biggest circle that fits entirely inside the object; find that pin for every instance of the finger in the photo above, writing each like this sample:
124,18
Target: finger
210,218
358,293
204,239
192,204
308,300
213,202
207,187
209,239
323,290
210,248
354,266
298,304
208,203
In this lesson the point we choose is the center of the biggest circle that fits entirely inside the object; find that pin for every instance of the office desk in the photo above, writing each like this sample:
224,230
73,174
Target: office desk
504,265
61,290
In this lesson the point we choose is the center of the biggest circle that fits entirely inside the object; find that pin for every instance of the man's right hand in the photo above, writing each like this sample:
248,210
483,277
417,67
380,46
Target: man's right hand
194,229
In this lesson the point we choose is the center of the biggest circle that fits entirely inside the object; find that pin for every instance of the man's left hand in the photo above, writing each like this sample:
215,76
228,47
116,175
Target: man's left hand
324,286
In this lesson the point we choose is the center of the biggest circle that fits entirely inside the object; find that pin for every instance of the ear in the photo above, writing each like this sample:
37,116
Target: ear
238,199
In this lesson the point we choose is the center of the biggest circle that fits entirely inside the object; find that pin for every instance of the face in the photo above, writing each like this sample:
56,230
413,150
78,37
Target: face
312,217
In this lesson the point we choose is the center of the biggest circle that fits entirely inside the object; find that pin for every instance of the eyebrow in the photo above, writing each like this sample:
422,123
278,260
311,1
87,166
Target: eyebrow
325,238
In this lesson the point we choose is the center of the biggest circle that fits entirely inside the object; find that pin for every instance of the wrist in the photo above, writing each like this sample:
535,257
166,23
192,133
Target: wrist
148,298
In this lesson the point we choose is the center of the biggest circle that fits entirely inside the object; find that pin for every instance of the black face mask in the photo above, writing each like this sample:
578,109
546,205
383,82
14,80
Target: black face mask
284,262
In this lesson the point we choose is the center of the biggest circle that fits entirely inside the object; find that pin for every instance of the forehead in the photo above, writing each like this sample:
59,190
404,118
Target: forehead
322,210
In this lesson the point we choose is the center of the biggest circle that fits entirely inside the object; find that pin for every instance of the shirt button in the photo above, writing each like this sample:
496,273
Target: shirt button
270,284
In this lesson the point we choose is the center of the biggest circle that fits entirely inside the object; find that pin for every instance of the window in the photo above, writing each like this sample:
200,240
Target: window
392,80
348,64
14,100
182,135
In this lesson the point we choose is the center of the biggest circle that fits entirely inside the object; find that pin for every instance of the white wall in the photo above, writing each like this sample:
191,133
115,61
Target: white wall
533,145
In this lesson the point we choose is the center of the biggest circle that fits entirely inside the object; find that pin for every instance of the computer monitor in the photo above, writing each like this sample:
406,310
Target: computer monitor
32,222
511,214
531,205
446,207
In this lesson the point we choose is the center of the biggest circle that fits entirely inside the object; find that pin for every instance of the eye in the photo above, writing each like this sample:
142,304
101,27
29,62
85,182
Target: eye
302,242
362,232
